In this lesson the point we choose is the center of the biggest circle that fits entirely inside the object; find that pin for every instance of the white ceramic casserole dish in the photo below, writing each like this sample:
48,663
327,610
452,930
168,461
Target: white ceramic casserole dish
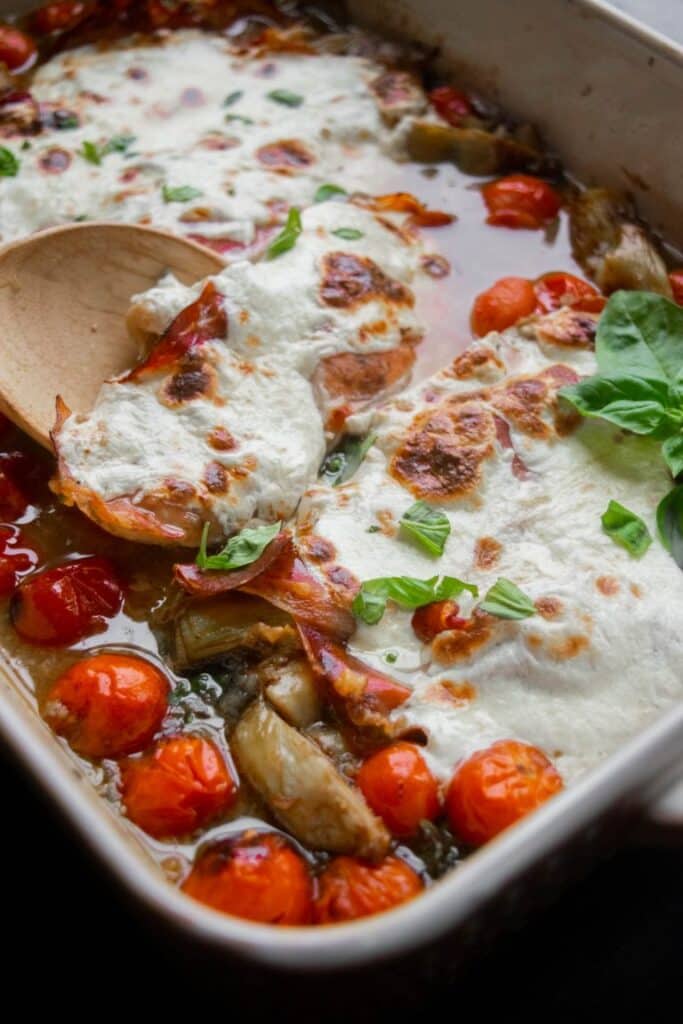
607,96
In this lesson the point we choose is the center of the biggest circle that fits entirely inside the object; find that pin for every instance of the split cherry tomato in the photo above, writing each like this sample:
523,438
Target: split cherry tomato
432,619
180,786
350,888
496,787
258,876
450,104
60,17
520,201
502,305
676,282
561,289
108,705
60,606
399,787
17,49
17,557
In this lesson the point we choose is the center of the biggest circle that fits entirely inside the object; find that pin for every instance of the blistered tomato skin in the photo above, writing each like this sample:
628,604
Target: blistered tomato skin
63,605
399,787
350,888
181,785
559,288
258,876
17,50
521,201
108,705
450,104
676,282
17,558
496,787
510,299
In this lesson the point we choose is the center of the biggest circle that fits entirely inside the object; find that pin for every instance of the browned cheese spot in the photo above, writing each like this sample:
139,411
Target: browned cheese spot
216,478
549,607
454,645
189,383
350,280
318,549
487,552
54,160
359,377
570,647
285,156
342,579
636,590
607,585
221,440
570,328
445,449
475,362
179,490
451,693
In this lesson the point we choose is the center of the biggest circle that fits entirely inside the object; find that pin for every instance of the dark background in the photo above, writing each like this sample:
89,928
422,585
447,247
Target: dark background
610,944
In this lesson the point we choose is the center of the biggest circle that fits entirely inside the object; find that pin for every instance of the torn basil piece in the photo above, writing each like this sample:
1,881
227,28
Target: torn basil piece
242,549
427,526
506,601
340,465
370,602
626,529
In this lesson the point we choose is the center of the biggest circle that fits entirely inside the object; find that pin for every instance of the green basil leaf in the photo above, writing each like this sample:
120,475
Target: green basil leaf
118,144
507,601
348,234
181,194
626,529
672,450
91,152
340,465
640,334
427,525
670,523
9,165
285,97
634,403
326,192
233,97
242,549
286,240
238,117
371,600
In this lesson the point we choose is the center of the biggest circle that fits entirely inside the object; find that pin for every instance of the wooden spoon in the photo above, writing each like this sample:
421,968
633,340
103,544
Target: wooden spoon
64,295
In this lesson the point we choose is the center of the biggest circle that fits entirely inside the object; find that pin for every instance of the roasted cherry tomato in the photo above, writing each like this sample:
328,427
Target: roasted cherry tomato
17,50
520,201
496,787
561,289
62,605
432,619
180,786
60,17
258,876
399,787
108,705
676,282
450,104
502,305
17,557
350,888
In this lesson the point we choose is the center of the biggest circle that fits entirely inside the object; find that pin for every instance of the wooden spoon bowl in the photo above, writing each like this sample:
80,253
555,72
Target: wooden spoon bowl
64,295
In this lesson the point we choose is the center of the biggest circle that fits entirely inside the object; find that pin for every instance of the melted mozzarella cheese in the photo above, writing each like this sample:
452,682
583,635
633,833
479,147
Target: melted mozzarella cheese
576,683
279,327
169,100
